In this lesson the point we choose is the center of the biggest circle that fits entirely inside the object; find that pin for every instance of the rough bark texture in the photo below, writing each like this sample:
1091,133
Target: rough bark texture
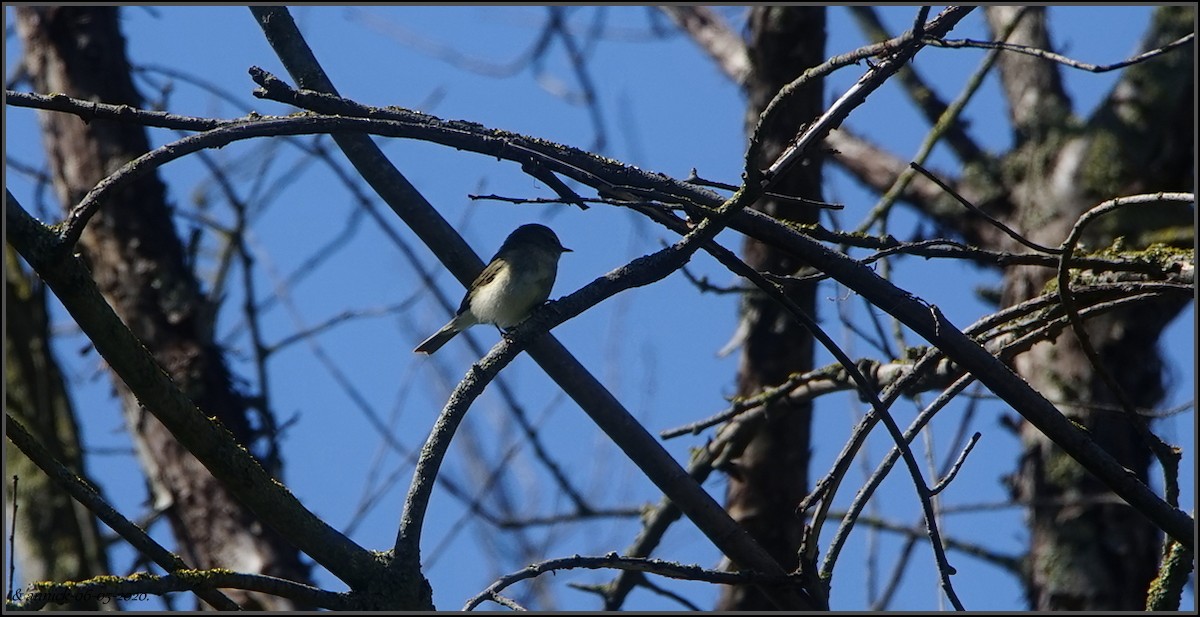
771,475
57,539
1089,551
139,266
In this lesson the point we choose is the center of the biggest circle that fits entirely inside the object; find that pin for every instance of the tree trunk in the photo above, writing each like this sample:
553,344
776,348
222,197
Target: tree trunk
139,265
57,538
1089,551
770,476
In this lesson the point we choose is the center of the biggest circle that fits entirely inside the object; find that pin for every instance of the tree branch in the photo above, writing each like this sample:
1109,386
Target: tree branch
86,495
630,564
560,365
208,441
198,581
1046,54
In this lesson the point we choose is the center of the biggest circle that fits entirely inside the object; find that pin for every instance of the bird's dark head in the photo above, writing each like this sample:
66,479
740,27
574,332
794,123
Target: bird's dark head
535,235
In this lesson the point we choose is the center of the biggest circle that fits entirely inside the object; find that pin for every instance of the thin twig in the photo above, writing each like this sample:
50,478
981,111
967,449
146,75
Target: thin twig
1049,55
649,585
575,200
962,458
89,110
725,186
615,561
809,384
875,76
1008,231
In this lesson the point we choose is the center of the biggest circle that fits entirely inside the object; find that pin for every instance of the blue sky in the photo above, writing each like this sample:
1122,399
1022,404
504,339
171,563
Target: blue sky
665,108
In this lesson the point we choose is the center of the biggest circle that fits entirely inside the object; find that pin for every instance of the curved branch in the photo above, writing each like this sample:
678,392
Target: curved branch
617,423
1046,54
1167,456
630,564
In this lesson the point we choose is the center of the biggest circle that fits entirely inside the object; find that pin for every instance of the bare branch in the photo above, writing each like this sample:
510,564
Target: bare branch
654,461
186,580
614,561
1167,456
946,124
730,438
1046,54
695,179
1008,231
86,495
89,110
838,266
962,458
905,49
1044,327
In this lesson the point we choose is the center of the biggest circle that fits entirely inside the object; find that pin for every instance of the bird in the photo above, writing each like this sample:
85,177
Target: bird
517,280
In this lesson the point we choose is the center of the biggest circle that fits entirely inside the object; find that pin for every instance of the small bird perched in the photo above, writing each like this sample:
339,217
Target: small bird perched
516,281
